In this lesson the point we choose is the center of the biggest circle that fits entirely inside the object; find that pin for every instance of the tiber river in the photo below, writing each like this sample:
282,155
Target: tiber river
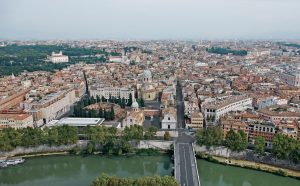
80,171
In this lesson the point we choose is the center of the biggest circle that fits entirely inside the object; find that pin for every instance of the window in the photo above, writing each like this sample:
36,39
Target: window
169,118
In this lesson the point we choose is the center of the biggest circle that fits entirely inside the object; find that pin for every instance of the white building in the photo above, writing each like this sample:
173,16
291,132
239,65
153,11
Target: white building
113,92
118,59
169,120
214,110
58,58
76,122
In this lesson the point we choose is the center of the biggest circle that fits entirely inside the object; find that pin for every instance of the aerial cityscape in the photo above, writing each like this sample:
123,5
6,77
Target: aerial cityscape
137,107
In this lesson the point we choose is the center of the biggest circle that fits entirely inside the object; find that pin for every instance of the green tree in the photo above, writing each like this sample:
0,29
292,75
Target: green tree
236,141
105,114
167,136
150,133
142,103
134,132
259,145
244,140
90,148
98,99
67,134
126,146
129,103
105,180
31,137
211,136
282,146
53,136
295,153
100,113
93,113
112,113
123,103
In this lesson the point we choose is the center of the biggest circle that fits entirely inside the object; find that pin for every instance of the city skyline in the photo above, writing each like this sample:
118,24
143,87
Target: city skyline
126,20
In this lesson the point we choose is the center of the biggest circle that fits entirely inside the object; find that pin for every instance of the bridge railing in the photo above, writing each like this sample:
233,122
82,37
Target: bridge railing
199,183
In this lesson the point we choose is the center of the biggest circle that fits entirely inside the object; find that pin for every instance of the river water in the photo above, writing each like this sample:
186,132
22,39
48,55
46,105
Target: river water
81,171
212,174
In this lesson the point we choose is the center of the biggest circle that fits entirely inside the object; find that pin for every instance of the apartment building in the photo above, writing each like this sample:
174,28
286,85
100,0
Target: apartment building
277,114
13,100
196,121
220,107
190,107
51,106
233,123
116,92
16,121
263,129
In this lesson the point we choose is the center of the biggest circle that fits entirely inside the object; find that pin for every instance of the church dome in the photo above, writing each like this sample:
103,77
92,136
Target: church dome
147,74
135,105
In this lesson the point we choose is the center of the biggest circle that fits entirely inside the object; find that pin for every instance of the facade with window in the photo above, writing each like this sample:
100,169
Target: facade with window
213,111
263,129
196,121
169,120
16,121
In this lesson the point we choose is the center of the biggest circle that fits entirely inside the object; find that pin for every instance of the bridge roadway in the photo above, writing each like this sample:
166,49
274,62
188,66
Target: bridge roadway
186,171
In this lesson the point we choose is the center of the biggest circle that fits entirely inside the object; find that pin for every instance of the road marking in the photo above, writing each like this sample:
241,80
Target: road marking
187,182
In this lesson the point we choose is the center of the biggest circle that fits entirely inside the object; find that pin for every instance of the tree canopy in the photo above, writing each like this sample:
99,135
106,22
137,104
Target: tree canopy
259,145
105,180
31,137
212,136
236,141
285,147
220,50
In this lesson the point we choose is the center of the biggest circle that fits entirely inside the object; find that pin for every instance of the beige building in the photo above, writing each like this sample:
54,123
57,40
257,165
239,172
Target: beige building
52,106
148,90
196,121
135,116
16,121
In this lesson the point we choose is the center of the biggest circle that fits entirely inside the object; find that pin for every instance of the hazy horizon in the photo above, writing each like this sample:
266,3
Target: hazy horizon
150,19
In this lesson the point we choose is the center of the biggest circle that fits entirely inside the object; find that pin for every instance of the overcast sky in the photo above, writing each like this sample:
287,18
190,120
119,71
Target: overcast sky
150,19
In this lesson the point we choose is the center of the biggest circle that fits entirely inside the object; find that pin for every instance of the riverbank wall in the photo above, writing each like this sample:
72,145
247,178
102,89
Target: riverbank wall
155,144
82,144
42,149
247,155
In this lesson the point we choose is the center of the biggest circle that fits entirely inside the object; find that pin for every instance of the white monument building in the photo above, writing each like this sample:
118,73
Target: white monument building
58,58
